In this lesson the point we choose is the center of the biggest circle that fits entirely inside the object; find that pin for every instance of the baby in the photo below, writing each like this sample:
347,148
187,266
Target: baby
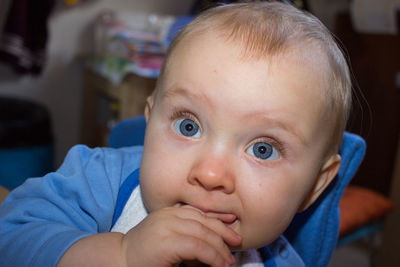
243,132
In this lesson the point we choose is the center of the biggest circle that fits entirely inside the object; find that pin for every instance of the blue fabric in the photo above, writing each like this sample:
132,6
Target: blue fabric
42,218
284,254
129,132
124,193
267,257
314,232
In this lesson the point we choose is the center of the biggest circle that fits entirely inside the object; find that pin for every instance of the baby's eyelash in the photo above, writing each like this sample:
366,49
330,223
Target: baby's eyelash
178,114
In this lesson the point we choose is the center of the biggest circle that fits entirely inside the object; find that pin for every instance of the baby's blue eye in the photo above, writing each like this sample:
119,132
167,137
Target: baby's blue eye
187,127
263,151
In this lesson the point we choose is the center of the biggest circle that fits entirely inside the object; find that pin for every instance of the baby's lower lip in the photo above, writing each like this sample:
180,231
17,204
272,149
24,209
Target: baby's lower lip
232,224
226,218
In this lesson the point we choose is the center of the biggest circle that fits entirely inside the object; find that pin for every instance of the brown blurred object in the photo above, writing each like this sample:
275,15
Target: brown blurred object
106,103
389,253
360,207
3,193
375,60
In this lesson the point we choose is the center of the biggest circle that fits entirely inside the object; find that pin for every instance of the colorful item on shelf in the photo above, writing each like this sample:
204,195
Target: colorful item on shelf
133,43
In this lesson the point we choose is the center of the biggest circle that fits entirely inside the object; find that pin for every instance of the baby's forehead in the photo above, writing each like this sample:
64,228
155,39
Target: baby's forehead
310,55
306,56
297,61
310,51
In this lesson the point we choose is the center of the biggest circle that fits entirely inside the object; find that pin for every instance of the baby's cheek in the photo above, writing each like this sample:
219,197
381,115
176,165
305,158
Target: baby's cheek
268,225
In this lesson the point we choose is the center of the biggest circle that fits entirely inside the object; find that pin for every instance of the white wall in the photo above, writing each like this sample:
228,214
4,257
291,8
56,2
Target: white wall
372,16
368,16
59,87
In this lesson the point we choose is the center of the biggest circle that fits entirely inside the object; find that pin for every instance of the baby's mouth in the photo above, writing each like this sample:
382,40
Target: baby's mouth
229,219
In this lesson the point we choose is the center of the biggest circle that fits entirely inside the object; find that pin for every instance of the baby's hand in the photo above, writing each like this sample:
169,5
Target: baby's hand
172,235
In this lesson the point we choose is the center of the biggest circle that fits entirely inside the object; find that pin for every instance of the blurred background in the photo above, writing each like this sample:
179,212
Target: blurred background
70,69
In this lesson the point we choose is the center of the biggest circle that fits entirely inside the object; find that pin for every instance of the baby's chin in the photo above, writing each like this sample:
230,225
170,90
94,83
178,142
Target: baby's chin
192,264
248,244
242,247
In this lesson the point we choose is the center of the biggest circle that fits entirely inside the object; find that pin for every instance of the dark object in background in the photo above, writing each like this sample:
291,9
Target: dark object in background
26,141
24,36
375,61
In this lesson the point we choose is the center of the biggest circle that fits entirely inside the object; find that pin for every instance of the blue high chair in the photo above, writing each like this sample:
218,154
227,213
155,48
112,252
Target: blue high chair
313,233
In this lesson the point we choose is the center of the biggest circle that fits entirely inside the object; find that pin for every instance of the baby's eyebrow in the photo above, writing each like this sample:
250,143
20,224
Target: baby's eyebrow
275,122
190,94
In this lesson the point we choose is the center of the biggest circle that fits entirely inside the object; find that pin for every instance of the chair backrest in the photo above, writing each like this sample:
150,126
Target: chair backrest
129,132
314,232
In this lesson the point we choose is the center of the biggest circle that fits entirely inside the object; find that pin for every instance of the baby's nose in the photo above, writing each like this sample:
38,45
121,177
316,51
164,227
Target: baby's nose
213,173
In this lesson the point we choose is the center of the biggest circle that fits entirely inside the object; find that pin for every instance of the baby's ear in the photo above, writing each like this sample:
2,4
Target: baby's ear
148,107
325,176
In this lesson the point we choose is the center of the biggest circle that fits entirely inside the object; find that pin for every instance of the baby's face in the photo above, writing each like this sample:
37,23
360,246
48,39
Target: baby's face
233,136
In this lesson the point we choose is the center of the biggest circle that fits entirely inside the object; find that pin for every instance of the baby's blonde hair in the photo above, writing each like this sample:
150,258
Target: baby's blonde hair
265,29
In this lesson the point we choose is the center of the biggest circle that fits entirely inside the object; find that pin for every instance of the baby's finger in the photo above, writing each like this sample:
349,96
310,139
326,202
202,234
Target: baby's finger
199,231
192,248
215,222
228,234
